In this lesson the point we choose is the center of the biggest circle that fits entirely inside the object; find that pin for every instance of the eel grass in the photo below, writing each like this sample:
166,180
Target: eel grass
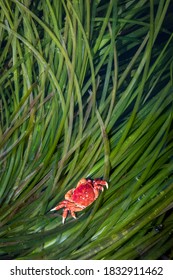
86,90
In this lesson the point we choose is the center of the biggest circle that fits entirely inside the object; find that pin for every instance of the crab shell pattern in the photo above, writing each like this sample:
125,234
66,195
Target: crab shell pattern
76,199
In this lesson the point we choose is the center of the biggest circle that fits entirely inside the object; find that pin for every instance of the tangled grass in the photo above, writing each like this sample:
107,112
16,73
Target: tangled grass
86,91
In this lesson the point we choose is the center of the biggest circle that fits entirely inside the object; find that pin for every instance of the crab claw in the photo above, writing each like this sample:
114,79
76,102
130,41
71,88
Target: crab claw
101,183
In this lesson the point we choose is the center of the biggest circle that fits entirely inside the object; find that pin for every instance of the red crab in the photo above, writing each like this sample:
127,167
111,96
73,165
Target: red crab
85,193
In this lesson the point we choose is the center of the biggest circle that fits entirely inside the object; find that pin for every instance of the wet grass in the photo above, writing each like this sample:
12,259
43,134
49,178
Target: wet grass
86,91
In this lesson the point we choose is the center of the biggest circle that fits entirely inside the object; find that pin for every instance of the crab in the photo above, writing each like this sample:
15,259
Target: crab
77,199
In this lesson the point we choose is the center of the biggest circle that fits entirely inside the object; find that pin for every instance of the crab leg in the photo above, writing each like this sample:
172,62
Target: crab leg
60,205
73,214
69,206
65,212
64,215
